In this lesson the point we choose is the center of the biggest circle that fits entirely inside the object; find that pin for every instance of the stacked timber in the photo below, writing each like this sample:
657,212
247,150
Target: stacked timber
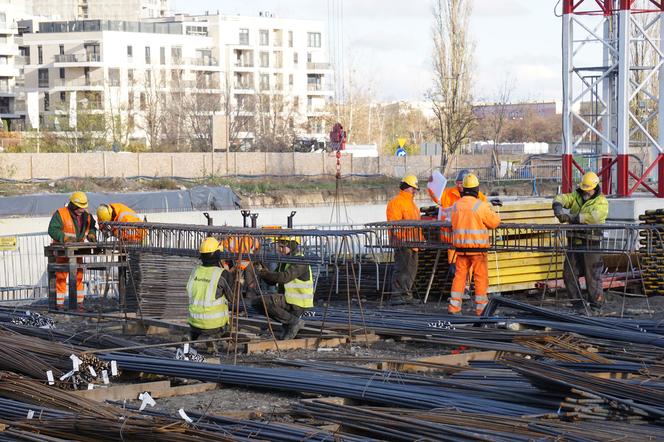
651,263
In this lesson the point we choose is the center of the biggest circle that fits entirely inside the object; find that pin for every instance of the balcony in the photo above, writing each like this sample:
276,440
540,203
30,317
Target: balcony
7,70
7,89
202,61
8,49
76,84
319,66
244,63
77,58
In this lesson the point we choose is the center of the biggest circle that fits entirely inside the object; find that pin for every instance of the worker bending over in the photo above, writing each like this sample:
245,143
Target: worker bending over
295,289
119,213
400,208
72,223
586,205
471,220
450,196
208,286
244,246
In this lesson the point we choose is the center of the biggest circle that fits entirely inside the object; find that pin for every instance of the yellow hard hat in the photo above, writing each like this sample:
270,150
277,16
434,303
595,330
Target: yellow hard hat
209,245
470,181
295,239
589,181
79,199
104,213
411,180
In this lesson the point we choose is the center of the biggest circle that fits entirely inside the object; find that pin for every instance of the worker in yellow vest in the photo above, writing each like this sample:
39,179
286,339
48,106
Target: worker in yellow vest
72,223
207,288
295,287
120,213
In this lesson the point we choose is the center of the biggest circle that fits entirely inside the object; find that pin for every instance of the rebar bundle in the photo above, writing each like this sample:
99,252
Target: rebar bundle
651,263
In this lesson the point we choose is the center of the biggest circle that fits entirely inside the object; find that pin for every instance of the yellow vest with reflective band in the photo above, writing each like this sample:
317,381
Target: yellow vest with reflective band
299,292
206,311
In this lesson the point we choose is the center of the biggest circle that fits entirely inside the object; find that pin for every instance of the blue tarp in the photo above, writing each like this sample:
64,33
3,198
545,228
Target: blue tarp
196,198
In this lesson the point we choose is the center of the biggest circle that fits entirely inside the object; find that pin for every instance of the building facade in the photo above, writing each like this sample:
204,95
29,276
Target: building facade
98,9
240,70
11,60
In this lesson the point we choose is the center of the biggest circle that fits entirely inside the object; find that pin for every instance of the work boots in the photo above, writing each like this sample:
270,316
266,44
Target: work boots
291,330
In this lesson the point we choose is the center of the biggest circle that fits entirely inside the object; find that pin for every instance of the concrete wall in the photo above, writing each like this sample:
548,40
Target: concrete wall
25,166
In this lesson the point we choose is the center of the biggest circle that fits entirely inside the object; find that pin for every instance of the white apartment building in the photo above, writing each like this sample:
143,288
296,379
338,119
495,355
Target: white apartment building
10,61
107,65
98,9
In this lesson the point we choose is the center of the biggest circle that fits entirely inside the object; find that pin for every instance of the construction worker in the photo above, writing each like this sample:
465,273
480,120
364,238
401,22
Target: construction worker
295,289
118,212
72,223
244,246
471,220
402,207
450,196
586,205
207,288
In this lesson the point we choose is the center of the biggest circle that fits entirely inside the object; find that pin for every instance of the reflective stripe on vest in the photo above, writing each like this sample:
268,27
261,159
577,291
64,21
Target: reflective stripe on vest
206,311
68,226
472,237
299,292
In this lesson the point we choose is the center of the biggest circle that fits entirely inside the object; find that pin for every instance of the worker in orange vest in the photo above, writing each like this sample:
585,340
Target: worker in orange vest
450,196
244,246
118,212
72,223
471,220
402,207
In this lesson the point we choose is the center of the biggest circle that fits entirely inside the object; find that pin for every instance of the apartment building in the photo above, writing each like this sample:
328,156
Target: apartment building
130,10
113,66
116,68
10,61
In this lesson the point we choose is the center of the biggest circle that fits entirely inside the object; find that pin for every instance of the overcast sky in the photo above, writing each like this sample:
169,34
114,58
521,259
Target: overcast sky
388,42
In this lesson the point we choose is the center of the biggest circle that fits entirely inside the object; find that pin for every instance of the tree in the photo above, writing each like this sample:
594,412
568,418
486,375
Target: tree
450,95
274,123
152,105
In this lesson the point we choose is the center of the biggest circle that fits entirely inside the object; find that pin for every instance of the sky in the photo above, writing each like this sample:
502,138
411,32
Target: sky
388,43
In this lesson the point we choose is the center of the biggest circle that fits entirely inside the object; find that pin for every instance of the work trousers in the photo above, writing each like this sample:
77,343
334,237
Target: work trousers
250,285
277,308
62,288
478,263
214,333
589,265
404,272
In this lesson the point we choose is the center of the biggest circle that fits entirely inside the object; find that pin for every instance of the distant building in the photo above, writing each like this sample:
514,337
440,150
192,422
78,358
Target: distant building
99,9
519,111
510,148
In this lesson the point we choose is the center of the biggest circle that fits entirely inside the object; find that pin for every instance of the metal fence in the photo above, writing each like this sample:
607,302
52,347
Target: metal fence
519,172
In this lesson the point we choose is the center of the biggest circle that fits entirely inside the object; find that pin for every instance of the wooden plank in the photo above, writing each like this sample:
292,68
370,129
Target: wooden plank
183,390
294,344
445,361
122,392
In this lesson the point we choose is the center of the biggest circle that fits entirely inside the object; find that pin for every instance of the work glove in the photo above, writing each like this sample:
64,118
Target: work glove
92,237
557,209
429,211
496,202
564,218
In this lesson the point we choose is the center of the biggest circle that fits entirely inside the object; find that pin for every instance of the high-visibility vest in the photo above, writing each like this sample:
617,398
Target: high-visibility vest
206,311
244,245
471,220
403,208
125,214
299,292
69,228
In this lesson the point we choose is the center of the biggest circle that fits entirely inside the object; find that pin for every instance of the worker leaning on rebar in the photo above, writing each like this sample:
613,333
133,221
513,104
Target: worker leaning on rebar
72,223
209,284
121,213
295,287
471,220
587,205
403,208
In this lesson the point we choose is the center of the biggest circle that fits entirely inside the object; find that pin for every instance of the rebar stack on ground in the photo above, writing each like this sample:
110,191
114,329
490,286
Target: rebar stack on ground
652,264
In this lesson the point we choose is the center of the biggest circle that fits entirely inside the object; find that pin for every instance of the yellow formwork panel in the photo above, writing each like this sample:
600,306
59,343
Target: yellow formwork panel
498,262
526,271
505,216
533,278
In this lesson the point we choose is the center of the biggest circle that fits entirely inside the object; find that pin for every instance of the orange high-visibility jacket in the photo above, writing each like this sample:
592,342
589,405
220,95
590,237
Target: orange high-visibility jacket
450,196
243,245
401,208
471,220
69,227
125,214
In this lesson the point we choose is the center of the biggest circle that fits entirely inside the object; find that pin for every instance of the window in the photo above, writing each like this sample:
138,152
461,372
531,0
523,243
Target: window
142,101
130,76
147,55
40,55
264,37
148,78
265,59
309,58
114,76
290,80
176,55
42,75
278,59
62,49
265,82
295,58
290,39
244,36
63,96
47,101
313,39
62,73
130,52
130,101
162,55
